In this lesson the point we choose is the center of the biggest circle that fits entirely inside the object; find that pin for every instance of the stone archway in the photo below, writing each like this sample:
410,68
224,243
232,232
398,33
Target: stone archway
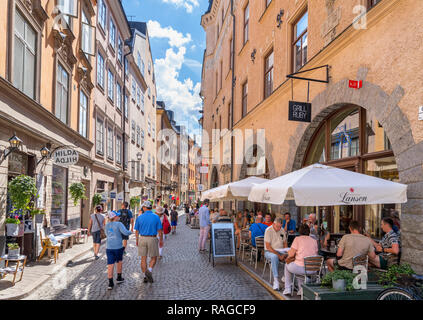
408,153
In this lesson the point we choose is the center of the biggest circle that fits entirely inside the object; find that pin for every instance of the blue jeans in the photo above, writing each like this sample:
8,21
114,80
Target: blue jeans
274,260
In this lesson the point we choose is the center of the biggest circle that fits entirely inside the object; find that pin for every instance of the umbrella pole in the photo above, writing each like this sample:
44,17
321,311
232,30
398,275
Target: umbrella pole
318,216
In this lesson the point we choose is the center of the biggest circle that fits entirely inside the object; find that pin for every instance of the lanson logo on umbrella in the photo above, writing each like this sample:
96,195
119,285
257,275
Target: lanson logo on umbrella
350,198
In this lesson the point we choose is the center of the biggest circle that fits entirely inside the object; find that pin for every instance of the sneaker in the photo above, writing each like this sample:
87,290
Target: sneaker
125,253
287,291
119,280
145,280
276,285
283,279
96,257
111,285
149,276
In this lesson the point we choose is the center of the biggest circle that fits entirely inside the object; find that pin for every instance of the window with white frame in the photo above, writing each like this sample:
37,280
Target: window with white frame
87,36
126,67
149,165
110,139
100,70
120,50
99,137
142,138
142,172
24,56
119,149
149,125
142,67
125,106
142,102
111,85
154,168
112,34
138,96
134,89
83,111
102,14
133,131
149,66
138,135
118,96
62,94
139,60
149,92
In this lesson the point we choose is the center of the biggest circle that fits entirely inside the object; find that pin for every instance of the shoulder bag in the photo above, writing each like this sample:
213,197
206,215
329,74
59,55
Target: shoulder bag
102,232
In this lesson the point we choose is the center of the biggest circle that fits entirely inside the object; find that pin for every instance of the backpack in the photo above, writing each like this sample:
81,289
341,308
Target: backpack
124,218
166,225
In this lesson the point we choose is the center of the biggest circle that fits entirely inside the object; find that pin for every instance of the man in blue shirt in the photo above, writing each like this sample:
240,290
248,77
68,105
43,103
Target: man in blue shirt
257,229
288,225
147,226
205,223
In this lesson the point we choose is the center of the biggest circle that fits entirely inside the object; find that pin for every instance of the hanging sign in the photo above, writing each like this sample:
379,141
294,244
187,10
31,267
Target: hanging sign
204,169
299,111
355,84
120,196
113,194
200,187
65,157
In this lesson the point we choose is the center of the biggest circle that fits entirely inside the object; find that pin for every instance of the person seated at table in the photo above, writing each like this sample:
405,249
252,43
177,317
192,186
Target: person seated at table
257,229
324,237
260,213
223,217
351,245
303,246
288,224
390,244
246,218
268,219
239,225
275,239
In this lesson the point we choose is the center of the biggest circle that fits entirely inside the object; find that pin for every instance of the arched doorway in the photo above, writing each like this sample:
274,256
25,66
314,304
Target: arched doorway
351,138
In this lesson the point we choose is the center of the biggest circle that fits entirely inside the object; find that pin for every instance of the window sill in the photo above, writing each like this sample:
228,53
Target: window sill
266,10
242,49
110,100
100,88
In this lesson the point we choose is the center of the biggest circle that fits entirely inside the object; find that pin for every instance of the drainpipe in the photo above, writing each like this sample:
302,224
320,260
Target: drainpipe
233,88
123,118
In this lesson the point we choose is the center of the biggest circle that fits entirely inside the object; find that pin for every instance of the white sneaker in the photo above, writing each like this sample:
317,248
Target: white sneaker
287,291
283,279
276,285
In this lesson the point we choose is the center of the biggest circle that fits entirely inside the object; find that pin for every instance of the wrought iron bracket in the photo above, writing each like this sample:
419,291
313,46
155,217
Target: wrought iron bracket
294,75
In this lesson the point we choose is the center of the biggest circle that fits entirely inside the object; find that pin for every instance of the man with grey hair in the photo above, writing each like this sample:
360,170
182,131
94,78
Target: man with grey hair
275,239
314,232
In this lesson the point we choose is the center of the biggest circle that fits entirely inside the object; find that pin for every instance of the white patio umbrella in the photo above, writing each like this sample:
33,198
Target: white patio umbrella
320,185
238,190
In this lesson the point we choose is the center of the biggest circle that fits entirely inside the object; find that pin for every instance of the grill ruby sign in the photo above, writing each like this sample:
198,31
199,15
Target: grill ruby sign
65,157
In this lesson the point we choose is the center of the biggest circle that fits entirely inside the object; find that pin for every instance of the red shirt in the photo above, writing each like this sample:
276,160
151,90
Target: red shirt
268,223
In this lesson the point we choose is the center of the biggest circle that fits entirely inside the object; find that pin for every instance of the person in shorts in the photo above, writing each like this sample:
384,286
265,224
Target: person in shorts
147,227
97,222
114,248
173,219
127,218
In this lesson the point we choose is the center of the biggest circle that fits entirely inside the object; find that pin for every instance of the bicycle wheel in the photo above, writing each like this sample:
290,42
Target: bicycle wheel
396,294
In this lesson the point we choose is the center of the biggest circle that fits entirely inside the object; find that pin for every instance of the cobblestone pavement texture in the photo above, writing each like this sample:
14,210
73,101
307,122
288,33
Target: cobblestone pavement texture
182,274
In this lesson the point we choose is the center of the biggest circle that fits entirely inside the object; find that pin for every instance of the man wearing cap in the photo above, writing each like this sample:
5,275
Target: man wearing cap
204,215
114,249
147,226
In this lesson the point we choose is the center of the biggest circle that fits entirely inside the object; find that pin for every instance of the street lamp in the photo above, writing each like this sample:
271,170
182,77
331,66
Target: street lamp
15,143
44,154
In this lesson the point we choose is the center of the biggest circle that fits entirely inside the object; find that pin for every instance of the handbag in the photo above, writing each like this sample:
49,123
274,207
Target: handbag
102,232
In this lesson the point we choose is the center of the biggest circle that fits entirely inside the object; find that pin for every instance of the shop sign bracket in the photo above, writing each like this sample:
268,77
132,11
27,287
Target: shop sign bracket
294,75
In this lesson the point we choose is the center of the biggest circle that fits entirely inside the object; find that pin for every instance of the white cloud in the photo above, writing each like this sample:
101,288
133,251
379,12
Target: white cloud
187,4
179,96
176,38
194,65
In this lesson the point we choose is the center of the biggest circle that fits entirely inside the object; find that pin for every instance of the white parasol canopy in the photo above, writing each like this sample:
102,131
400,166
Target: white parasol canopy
238,190
320,185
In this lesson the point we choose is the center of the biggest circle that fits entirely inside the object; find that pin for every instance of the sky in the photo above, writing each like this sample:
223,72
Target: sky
177,44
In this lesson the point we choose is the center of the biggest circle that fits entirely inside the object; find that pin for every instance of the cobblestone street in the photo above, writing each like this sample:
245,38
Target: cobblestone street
182,274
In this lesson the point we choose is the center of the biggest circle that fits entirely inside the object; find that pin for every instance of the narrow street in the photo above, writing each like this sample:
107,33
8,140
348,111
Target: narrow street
182,274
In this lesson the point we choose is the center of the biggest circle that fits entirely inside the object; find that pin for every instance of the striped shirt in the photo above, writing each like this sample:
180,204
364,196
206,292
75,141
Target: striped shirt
389,239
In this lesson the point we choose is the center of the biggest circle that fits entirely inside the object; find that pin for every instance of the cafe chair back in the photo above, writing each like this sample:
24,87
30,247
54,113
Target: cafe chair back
245,242
255,251
313,269
47,245
361,260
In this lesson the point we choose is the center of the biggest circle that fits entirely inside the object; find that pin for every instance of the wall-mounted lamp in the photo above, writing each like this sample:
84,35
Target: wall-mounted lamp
45,152
15,143
279,18
253,55
139,156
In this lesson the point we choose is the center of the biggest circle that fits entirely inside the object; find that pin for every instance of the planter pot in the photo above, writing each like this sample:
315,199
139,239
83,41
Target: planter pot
14,253
21,230
339,285
12,229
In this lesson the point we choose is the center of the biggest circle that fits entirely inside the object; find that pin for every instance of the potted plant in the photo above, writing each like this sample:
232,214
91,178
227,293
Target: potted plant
96,199
134,201
13,250
395,274
77,192
12,225
340,280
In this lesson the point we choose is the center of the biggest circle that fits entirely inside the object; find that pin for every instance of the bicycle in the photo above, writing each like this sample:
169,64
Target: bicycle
408,288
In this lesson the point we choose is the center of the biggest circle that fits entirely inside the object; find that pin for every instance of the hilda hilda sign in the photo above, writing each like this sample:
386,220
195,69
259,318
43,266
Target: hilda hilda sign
65,157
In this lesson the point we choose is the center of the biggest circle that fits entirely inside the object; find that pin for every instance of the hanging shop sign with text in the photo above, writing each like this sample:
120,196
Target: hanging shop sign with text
65,157
299,111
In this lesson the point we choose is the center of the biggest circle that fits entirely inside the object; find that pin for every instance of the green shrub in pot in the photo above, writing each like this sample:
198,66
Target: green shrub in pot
77,192
346,275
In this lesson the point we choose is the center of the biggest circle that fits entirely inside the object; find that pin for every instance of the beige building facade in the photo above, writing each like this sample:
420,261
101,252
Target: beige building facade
373,130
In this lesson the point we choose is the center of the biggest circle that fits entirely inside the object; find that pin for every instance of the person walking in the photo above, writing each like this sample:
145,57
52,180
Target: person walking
160,211
127,218
174,219
147,227
97,222
114,249
166,211
205,223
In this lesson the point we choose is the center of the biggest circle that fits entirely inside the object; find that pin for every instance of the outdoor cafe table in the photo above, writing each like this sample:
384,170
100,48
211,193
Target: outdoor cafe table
329,252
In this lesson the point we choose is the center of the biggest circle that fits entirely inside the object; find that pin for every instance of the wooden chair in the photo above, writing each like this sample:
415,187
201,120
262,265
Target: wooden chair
245,242
255,250
361,260
47,245
313,269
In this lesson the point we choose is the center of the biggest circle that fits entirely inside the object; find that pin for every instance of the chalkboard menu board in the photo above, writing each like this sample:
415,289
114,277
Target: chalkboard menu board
223,240
299,111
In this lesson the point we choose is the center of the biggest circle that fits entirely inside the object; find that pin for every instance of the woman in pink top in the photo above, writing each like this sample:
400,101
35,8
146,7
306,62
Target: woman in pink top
303,246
